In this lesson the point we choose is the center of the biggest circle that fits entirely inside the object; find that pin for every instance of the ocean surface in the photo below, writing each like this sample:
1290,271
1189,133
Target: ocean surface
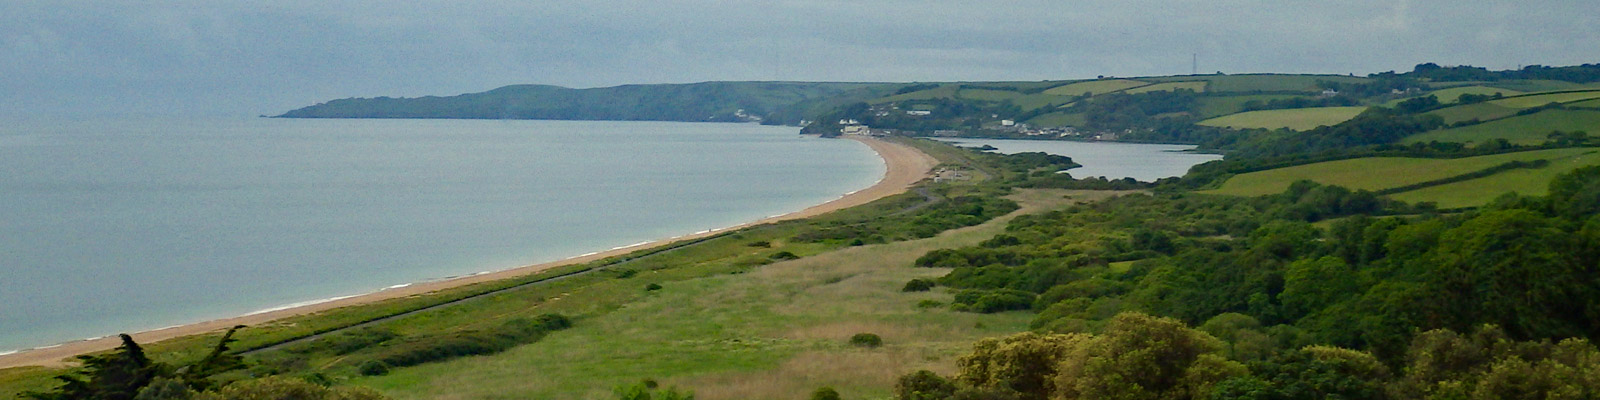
1144,162
126,225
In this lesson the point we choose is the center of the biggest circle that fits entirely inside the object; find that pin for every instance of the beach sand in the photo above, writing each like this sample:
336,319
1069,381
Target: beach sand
906,166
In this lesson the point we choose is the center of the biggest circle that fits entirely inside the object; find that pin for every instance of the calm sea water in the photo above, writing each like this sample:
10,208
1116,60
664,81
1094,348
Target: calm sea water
1144,162
115,226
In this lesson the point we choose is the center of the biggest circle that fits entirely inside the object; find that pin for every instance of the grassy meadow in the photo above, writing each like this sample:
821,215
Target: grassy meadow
1539,99
1216,106
775,332
1196,86
1095,87
1532,129
1297,119
1477,192
1264,82
1378,173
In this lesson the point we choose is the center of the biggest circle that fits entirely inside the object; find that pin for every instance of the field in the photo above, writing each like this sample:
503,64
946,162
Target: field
987,94
1479,111
1586,104
1530,129
1035,101
1264,82
1537,85
1452,94
1216,106
1297,119
1196,86
1536,100
1378,173
1477,192
944,91
1094,87
776,332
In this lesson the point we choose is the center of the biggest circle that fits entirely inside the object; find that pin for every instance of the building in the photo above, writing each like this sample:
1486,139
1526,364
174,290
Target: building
920,113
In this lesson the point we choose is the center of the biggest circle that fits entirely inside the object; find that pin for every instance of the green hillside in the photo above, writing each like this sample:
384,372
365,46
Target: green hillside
1377,173
1297,119
1532,129
1524,181
1216,106
1197,86
1263,82
709,101
1094,87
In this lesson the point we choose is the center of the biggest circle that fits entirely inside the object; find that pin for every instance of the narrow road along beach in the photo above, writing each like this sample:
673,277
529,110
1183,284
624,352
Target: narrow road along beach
905,166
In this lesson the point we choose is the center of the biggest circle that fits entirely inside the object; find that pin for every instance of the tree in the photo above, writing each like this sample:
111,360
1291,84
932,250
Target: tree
1144,357
1025,363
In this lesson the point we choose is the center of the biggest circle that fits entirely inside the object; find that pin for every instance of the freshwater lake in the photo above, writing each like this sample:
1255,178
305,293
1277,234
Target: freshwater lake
128,225
1143,162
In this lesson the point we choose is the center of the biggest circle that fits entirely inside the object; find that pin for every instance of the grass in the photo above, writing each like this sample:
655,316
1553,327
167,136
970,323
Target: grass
941,92
1216,106
774,332
1377,173
1450,95
1040,100
1536,85
15,381
1297,119
1477,192
1094,87
1059,119
1529,129
1586,104
1264,82
1535,100
987,94
1196,86
1479,111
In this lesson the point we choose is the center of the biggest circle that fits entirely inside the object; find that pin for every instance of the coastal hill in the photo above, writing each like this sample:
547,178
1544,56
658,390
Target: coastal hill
703,102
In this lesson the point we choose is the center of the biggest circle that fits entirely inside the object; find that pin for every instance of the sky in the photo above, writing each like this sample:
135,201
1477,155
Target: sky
218,57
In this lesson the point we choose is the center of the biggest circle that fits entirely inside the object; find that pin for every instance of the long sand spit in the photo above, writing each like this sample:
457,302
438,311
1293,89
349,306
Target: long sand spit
905,166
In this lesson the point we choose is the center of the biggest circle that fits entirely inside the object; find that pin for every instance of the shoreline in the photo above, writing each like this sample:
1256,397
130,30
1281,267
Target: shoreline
904,164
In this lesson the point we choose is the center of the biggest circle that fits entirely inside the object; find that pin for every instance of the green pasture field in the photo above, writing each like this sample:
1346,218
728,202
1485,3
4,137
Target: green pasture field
1450,95
1529,129
772,332
1479,111
1535,100
1477,192
1530,86
1196,86
1297,119
1216,106
987,94
1059,119
941,92
1377,173
1095,87
1263,82
1040,100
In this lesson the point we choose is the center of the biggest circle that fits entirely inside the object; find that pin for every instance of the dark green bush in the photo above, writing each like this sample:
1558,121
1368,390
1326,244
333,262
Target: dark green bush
652,287
825,393
992,301
373,368
784,255
470,343
918,285
866,340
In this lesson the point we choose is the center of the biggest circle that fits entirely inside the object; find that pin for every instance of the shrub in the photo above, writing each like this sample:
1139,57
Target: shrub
760,243
918,285
470,343
930,304
373,368
626,273
784,255
825,393
652,287
992,301
866,340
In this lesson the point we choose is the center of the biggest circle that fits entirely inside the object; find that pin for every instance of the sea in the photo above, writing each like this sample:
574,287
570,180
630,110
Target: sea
130,224
123,225
1142,162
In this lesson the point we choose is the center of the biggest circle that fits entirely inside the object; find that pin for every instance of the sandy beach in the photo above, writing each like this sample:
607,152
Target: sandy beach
905,166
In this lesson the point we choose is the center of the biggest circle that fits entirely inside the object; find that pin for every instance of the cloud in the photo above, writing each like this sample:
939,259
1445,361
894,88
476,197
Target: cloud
227,57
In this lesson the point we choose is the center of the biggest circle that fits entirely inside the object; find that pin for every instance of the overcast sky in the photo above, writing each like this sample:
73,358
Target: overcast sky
242,58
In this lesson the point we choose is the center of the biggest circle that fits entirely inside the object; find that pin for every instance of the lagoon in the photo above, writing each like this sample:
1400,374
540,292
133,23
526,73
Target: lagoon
1140,161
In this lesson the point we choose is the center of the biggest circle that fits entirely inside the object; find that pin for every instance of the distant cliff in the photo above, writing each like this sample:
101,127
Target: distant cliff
770,102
